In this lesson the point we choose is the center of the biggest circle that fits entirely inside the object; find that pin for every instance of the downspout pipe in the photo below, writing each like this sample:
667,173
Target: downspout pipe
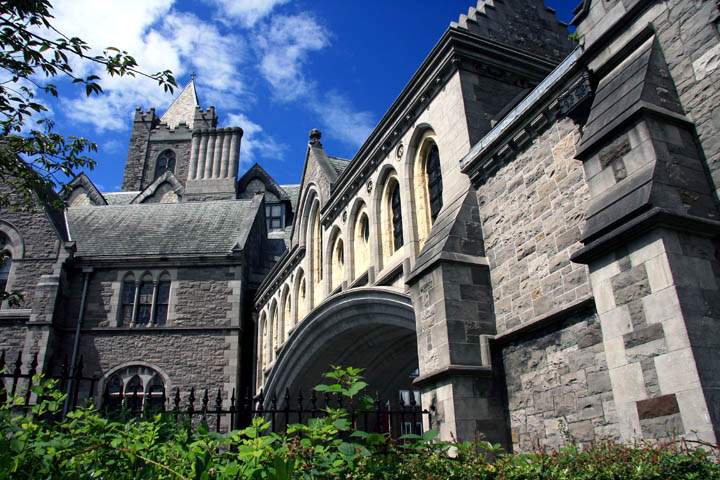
76,343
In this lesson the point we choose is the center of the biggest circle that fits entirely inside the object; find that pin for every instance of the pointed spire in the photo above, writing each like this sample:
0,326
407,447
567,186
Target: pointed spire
182,109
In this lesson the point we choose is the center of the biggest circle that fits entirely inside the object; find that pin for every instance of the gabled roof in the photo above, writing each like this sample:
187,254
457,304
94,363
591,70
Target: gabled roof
182,109
256,171
163,229
82,181
338,164
120,198
167,177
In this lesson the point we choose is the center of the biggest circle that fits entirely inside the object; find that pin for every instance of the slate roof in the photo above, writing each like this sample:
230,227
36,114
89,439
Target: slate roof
120,198
338,164
293,192
166,229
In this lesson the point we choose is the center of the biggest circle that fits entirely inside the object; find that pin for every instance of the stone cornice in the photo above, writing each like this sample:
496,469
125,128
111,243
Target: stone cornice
282,269
457,49
651,219
162,261
449,371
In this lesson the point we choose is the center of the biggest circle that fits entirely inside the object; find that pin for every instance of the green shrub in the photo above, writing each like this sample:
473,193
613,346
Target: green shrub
87,445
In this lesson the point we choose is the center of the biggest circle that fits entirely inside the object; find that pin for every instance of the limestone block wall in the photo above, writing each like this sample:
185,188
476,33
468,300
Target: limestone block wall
558,379
532,210
658,305
12,339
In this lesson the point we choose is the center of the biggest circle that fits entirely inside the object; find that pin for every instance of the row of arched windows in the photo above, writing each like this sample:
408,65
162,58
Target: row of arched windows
390,210
135,388
144,301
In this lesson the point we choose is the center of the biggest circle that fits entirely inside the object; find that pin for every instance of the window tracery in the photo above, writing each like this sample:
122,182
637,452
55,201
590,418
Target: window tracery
146,302
137,388
165,163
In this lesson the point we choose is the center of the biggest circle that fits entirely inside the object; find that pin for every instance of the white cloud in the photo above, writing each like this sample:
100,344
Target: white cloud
286,43
159,38
340,120
247,12
255,142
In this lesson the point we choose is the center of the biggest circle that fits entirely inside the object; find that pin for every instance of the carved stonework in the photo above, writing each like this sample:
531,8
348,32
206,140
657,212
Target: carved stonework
369,186
575,102
400,151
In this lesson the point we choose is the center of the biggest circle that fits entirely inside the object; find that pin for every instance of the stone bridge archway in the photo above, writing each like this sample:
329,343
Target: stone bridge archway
371,328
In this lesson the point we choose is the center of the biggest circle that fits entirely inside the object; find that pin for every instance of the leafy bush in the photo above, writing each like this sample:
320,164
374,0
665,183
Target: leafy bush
88,445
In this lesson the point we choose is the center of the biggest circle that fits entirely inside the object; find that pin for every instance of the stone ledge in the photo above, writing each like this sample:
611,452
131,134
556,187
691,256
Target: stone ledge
15,314
546,321
445,257
654,218
452,371
145,330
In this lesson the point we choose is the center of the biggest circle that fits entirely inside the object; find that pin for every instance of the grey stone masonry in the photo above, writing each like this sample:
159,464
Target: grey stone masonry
532,210
558,384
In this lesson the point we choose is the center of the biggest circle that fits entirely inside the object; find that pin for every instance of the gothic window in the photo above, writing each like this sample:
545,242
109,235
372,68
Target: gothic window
128,300
397,226
361,244
434,181
145,301
275,216
338,262
276,337
163,299
165,163
300,296
5,262
264,347
287,315
137,388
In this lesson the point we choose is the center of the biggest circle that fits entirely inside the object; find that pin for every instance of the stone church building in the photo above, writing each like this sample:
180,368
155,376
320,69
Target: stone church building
528,238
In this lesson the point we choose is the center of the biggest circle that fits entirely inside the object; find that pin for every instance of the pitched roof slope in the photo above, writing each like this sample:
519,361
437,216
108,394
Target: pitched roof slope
192,228
182,109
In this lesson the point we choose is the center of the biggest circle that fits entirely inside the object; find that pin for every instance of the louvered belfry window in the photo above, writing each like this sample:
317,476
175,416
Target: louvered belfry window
396,217
434,178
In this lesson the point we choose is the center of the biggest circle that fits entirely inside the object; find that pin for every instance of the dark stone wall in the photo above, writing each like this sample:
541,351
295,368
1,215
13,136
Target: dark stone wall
558,379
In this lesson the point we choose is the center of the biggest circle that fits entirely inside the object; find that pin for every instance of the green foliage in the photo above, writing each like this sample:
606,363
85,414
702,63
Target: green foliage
86,445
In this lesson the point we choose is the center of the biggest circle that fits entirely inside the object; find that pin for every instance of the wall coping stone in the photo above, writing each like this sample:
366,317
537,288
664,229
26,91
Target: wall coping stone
654,218
446,257
453,371
544,322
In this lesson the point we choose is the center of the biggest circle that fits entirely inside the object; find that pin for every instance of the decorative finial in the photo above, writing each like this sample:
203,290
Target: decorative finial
193,75
315,137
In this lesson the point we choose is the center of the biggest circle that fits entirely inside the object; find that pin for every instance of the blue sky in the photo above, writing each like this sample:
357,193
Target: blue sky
276,68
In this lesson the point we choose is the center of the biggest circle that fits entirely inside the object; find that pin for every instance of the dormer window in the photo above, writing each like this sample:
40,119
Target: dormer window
165,163
275,216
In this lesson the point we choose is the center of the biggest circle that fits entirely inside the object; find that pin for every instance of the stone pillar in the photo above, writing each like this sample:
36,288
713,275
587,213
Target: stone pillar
217,154
224,167
194,147
235,152
209,154
202,154
453,309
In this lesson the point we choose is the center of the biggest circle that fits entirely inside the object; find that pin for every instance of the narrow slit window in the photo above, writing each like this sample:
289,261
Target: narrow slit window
434,177
396,218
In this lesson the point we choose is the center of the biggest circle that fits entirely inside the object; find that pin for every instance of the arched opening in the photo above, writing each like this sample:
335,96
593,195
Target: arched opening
427,185
165,163
391,219
370,328
360,236
274,328
316,259
128,300
263,346
5,266
286,309
163,300
336,260
137,388
145,301
301,297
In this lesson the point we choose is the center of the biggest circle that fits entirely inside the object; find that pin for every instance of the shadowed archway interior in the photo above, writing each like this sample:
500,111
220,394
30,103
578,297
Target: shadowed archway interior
370,328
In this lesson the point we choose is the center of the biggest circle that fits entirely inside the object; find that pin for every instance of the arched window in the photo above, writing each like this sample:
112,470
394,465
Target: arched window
338,263
134,394
434,181
264,339
145,301
287,311
140,388
165,163
396,208
317,244
128,300
155,396
361,244
5,267
301,299
276,335
163,299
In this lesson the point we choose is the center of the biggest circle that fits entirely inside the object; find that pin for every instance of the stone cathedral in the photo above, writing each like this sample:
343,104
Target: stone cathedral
528,238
